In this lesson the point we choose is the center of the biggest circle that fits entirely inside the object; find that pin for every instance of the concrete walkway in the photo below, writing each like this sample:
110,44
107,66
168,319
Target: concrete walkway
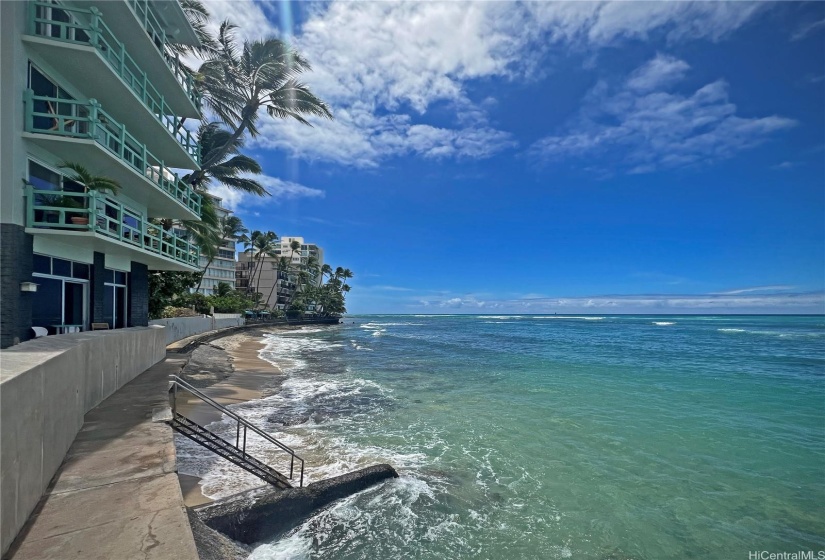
116,496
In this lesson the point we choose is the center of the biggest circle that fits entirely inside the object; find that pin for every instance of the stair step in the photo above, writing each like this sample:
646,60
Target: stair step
228,451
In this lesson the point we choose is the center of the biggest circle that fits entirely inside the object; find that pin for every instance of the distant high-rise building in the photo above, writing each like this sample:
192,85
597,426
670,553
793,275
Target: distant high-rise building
222,266
276,283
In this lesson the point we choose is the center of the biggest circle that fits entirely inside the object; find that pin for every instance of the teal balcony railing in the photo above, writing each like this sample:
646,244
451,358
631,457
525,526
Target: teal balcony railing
158,36
86,27
104,216
86,119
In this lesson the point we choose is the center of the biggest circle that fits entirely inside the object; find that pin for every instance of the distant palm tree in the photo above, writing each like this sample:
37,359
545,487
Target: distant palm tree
261,244
231,227
283,265
238,81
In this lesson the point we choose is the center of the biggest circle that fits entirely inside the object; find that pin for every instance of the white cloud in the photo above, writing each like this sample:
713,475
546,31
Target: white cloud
807,29
383,65
602,24
776,288
736,301
660,72
279,190
640,127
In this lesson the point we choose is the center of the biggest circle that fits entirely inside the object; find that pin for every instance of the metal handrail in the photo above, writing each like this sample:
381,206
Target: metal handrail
240,444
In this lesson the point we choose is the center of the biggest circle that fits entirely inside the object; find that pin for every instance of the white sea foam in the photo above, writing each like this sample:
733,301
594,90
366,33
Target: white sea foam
775,333
582,317
500,317
663,323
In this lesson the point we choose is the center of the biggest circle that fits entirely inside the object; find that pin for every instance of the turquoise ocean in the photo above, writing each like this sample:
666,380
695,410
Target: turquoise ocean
583,437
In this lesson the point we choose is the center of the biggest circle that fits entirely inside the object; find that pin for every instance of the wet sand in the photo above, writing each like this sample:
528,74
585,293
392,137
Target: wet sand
229,371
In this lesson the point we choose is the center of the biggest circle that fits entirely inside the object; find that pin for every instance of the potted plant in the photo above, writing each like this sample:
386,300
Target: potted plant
90,183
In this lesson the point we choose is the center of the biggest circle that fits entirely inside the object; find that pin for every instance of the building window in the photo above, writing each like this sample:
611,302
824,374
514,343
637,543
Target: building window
62,294
114,298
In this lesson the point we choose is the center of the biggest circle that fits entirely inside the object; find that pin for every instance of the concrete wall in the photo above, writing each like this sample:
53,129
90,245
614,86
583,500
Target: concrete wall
183,327
46,387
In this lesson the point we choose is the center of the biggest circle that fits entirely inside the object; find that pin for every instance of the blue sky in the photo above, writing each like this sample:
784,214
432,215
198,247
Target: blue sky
502,157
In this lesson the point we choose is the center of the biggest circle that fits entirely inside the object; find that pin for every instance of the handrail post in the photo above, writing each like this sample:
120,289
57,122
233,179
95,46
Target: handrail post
244,440
28,101
238,434
291,465
93,118
94,26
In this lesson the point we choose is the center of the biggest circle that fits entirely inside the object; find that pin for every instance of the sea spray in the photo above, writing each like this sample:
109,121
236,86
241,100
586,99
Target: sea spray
580,437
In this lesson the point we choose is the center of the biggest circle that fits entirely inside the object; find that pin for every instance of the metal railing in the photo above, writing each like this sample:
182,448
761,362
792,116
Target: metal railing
242,425
158,36
87,119
104,216
49,20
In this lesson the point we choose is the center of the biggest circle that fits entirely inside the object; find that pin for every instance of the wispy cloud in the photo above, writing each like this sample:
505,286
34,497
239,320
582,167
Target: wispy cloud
387,288
763,289
278,189
641,127
807,29
785,165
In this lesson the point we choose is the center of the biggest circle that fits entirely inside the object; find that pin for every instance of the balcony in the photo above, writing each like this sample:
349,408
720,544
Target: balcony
103,224
82,46
82,131
145,37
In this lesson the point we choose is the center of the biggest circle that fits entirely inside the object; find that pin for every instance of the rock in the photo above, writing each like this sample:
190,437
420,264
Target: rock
263,514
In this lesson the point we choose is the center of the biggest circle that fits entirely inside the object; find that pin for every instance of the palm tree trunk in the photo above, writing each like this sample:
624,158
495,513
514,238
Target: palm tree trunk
212,258
260,268
274,284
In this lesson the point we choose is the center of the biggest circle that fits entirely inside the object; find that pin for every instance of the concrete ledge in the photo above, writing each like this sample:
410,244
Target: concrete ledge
262,514
46,387
183,327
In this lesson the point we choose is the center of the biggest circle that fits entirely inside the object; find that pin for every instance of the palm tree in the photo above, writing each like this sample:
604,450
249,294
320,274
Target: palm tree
239,81
89,181
231,228
198,17
227,170
261,244
283,265
226,164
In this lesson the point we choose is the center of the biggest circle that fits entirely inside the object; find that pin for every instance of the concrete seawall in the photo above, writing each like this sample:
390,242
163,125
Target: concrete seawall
183,327
46,387
263,513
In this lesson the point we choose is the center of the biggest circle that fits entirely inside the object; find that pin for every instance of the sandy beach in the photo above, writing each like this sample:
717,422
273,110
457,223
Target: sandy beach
229,371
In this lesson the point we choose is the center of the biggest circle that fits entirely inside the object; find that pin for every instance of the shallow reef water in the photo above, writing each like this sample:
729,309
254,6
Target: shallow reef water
584,437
